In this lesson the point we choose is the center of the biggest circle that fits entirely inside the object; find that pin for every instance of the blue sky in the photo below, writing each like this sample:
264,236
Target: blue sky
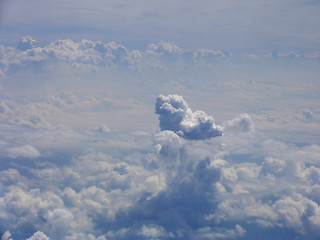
159,120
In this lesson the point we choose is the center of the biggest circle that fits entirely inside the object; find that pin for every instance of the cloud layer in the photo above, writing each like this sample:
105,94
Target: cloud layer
108,185
82,157
88,53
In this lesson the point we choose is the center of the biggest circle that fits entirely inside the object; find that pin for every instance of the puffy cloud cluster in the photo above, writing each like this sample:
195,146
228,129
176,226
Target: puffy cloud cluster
207,53
80,53
26,43
164,48
240,124
39,236
6,236
175,115
88,54
65,175
162,186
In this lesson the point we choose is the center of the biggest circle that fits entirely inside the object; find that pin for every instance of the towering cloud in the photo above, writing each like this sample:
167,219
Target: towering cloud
175,115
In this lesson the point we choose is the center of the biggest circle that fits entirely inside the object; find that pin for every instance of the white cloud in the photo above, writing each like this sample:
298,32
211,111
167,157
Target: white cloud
83,54
39,236
175,115
207,53
153,232
163,48
197,189
136,182
208,233
289,55
82,236
60,220
25,151
242,123
291,211
6,236
26,43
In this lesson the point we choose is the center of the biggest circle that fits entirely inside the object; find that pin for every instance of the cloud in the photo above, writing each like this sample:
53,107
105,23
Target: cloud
175,115
130,184
77,54
6,236
289,55
82,236
26,43
153,232
240,124
207,53
313,55
39,236
25,151
208,233
230,187
189,173
164,48
103,128
90,56
59,220
308,114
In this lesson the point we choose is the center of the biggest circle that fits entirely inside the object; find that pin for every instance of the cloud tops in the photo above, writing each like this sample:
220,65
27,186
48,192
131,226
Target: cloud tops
175,115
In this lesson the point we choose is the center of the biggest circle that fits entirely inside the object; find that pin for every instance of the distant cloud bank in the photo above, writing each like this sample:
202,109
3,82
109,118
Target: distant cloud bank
97,53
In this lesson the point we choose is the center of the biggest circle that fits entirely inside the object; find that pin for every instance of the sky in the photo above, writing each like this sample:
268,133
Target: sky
159,119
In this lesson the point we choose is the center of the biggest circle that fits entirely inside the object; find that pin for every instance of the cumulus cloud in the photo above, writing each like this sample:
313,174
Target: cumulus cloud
39,236
59,220
175,115
153,232
208,233
90,184
25,151
240,124
88,54
82,236
163,48
229,187
26,43
207,53
6,236
77,54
